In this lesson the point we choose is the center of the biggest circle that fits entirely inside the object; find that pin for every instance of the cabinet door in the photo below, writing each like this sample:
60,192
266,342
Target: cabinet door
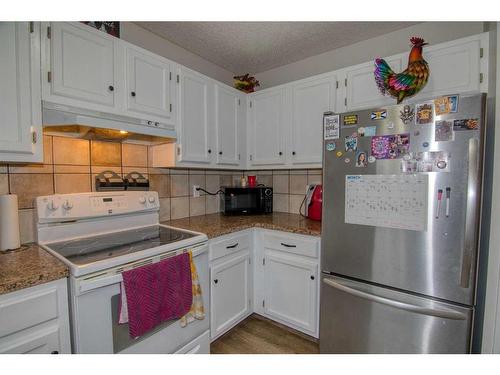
309,101
230,292
194,123
291,290
226,121
148,84
20,102
266,127
454,67
82,63
361,89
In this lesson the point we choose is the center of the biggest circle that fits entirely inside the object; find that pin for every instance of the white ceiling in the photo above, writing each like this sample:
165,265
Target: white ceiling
253,47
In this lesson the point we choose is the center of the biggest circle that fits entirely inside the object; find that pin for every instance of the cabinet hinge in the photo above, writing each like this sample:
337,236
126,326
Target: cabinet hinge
250,156
480,77
481,52
250,104
177,78
34,137
49,32
239,102
249,260
49,76
178,150
345,101
345,82
337,84
263,261
263,303
239,156
31,27
170,107
170,76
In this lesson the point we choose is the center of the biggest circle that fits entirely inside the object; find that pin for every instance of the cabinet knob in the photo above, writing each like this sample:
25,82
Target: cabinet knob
280,153
312,277
216,281
209,151
220,152
150,122
54,352
157,123
111,88
132,93
293,152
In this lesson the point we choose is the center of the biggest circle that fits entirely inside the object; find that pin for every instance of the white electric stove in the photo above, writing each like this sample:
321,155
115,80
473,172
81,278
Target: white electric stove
100,235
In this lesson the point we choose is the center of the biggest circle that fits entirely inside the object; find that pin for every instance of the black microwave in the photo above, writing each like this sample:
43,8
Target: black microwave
246,200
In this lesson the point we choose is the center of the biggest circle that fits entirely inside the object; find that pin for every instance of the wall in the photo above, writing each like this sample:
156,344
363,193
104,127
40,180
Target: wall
361,52
139,36
70,166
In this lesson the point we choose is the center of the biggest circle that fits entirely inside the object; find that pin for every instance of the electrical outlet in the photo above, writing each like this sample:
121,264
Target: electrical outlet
196,192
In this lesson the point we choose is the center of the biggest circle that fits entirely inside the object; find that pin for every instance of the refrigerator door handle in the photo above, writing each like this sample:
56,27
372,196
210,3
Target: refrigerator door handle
470,213
440,313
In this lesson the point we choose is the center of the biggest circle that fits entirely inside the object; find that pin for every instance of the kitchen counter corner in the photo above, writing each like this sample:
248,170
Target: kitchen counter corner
215,225
28,267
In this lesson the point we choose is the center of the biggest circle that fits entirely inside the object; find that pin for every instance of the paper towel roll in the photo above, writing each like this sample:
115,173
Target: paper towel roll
9,222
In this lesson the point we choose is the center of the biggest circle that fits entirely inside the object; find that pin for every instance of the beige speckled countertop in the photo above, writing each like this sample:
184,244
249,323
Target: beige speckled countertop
28,267
215,225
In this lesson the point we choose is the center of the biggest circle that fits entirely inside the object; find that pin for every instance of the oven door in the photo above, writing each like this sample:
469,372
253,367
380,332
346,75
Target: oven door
95,327
243,201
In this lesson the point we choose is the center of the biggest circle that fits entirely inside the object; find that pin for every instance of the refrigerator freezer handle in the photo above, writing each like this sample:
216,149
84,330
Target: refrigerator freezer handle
471,212
440,313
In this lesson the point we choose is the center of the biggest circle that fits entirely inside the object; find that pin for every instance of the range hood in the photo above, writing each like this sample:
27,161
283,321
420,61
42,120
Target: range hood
67,121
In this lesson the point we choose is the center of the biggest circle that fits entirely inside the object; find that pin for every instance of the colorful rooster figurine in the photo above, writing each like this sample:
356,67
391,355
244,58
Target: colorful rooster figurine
410,81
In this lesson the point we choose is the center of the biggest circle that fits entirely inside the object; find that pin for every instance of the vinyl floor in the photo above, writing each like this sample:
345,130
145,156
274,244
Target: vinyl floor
258,335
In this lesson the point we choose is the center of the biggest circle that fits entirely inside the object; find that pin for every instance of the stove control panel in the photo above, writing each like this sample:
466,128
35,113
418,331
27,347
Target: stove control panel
65,207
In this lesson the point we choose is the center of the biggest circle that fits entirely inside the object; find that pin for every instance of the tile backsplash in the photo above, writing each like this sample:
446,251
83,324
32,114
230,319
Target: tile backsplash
70,166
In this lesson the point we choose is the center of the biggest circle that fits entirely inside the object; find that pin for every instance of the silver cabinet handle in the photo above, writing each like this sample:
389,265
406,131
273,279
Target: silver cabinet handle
440,313
470,229
232,246
287,245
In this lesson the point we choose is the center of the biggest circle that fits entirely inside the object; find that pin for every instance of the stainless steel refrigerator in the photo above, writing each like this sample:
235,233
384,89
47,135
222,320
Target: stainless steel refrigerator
401,216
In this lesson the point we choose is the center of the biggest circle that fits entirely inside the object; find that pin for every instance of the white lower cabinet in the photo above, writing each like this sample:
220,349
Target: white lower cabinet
290,295
35,320
277,270
230,282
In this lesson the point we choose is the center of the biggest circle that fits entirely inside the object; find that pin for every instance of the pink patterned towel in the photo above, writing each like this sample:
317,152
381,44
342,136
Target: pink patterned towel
156,293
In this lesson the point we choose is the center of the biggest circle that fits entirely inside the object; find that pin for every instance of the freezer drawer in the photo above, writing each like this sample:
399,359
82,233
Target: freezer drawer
362,318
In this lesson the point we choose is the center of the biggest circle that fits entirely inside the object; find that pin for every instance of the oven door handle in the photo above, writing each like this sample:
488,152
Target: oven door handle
86,285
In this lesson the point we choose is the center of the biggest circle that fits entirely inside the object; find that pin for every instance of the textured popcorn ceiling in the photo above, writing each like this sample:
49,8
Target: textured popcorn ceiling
255,47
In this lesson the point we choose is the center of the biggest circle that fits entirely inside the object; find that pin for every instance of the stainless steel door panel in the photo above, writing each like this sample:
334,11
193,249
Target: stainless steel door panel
438,262
362,318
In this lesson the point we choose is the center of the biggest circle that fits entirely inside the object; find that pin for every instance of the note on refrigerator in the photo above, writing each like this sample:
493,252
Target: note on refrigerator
392,201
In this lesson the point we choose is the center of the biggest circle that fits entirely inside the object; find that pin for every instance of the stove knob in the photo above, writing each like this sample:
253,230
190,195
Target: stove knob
151,199
67,205
52,206
142,200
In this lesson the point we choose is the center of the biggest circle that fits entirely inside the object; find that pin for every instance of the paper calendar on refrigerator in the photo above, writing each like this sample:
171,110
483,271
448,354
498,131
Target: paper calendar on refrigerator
392,201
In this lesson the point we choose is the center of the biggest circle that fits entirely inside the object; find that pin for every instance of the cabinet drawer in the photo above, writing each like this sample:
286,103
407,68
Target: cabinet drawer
23,310
200,345
41,341
229,245
290,243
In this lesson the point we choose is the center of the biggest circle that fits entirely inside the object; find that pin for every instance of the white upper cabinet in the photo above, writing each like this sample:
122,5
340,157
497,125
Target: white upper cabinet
266,128
81,64
227,104
361,89
455,67
148,84
20,102
310,99
195,132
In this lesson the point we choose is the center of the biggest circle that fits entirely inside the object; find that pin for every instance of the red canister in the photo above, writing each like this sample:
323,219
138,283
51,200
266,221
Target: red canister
252,181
